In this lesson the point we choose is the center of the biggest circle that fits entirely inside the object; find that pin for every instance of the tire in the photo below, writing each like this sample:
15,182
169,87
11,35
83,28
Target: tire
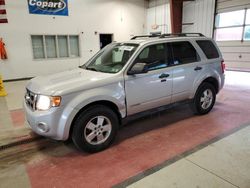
95,129
204,99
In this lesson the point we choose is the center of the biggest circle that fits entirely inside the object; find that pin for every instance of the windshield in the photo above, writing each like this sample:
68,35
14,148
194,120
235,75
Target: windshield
113,58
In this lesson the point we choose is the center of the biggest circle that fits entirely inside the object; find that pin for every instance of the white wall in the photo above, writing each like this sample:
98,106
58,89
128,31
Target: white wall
123,18
200,14
158,12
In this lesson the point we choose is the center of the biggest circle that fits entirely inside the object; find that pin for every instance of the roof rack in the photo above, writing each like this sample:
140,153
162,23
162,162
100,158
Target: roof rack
145,36
181,35
169,35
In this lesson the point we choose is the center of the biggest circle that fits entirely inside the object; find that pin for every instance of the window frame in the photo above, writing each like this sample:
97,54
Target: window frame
57,47
169,48
244,25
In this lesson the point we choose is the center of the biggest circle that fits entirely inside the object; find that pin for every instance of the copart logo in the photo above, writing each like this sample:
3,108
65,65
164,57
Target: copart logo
48,5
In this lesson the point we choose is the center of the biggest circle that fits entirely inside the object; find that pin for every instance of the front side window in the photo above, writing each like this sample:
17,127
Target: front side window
112,58
155,56
183,52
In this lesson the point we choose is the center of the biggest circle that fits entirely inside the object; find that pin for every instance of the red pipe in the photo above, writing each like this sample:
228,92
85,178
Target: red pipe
176,7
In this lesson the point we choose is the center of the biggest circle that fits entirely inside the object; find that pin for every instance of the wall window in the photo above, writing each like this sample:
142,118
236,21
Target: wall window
74,46
247,28
63,46
38,47
50,42
247,33
233,26
55,46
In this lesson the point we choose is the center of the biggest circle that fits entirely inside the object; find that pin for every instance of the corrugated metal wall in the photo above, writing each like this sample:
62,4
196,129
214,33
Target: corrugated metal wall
198,16
235,53
158,13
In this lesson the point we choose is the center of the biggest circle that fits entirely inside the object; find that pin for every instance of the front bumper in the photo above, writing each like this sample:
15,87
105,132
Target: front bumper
45,123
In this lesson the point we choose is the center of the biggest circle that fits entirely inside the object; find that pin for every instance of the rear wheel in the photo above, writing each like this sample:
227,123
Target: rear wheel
204,99
95,129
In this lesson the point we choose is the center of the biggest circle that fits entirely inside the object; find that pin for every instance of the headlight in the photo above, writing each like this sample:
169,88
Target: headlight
46,102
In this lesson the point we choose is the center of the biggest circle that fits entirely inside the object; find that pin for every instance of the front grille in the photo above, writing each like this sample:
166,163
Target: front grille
30,99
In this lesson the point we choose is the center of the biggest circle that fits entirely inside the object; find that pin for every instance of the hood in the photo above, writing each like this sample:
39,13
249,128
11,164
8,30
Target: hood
66,82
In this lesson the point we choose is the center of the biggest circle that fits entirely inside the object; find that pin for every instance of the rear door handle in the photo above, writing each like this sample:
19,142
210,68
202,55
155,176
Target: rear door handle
164,76
197,68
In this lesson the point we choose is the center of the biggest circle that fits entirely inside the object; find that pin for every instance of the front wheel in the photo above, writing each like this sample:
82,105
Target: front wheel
204,99
95,129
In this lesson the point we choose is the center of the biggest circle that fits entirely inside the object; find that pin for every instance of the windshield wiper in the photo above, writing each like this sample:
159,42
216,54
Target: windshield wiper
92,69
82,66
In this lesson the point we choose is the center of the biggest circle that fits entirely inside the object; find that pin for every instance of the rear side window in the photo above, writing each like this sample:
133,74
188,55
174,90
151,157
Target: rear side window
208,48
184,52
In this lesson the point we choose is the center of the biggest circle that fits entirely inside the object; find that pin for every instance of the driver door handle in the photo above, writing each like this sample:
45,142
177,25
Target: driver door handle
164,76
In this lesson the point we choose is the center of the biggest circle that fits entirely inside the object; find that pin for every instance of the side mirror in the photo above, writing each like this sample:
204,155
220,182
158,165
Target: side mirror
138,68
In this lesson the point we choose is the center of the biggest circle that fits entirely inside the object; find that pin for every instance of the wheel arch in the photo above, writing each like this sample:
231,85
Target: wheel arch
106,103
213,81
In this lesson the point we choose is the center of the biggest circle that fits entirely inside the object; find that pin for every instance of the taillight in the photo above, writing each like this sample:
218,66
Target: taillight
223,66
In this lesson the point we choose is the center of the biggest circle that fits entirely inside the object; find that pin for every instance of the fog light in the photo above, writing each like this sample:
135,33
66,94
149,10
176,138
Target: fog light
43,127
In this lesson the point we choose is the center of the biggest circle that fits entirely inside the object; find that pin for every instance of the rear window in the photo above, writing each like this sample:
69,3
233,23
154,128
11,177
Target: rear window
208,48
184,52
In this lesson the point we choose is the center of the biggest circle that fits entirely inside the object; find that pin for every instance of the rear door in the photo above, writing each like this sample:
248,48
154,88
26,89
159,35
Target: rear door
187,67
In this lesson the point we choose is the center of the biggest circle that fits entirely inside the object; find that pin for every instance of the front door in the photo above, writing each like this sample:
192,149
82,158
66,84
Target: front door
152,89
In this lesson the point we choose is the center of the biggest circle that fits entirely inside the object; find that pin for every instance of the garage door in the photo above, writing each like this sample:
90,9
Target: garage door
232,32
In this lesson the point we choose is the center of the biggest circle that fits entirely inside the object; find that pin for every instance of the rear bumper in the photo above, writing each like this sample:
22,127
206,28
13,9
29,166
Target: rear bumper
222,82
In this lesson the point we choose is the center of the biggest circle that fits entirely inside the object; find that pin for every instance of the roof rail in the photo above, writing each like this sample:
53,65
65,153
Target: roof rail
145,36
169,35
181,35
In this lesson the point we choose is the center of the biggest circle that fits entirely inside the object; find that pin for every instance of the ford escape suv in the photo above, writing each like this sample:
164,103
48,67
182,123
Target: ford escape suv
89,103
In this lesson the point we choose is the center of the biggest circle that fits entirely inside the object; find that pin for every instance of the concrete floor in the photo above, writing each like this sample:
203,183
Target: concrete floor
173,148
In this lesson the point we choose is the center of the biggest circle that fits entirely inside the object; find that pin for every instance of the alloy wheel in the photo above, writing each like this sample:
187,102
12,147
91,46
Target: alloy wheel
97,130
206,99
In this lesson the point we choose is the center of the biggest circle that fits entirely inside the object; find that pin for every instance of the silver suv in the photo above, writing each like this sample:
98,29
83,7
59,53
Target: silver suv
89,104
